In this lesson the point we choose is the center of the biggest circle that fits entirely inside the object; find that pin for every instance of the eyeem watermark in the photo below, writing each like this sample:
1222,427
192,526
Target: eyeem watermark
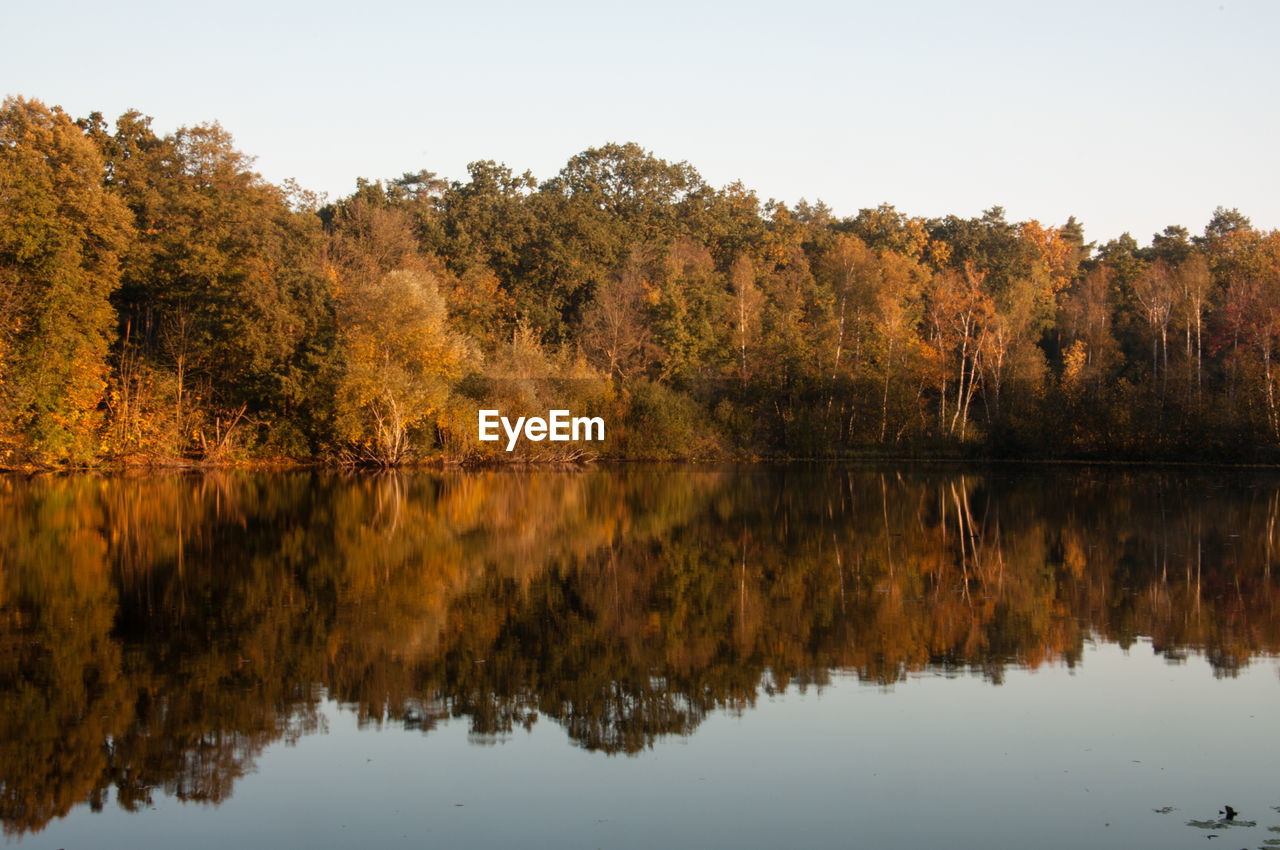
559,427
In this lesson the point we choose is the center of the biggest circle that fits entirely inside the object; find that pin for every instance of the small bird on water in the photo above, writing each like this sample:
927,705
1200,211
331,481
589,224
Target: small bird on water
1229,812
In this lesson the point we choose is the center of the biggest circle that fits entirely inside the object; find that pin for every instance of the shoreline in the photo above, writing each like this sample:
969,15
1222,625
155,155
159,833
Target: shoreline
441,463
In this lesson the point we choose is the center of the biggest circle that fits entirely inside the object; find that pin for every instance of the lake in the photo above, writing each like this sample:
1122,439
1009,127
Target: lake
683,656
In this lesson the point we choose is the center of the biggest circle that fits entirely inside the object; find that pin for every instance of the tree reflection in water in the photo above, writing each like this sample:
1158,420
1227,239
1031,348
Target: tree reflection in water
157,632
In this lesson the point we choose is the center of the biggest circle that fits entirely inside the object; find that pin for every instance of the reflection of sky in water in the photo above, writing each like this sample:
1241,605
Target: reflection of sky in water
1051,758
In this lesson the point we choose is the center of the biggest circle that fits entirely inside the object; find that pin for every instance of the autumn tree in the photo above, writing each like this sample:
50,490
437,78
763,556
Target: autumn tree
1156,290
790,344
479,306
898,313
1087,320
1194,290
1250,320
61,235
223,288
959,311
369,235
884,228
616,329
399,357
744,313
849,272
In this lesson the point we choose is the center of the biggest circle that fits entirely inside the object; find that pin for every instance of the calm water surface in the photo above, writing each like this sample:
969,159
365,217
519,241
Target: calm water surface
893,656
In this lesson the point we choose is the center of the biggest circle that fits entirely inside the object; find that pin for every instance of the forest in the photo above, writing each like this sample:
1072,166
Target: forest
163,304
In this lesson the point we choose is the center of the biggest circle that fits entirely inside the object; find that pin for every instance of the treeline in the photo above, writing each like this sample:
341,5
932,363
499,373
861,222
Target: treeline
160,302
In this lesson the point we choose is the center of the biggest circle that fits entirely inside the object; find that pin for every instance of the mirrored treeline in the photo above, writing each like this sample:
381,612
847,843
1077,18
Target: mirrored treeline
158,632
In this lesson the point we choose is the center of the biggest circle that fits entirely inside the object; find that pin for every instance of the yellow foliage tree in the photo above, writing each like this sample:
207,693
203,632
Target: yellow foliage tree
60,237
400,357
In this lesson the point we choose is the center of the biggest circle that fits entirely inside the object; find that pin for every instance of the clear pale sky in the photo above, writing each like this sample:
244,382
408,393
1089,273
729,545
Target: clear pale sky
1130,116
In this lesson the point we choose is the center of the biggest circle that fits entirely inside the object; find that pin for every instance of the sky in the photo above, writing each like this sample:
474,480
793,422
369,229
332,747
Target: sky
1129,116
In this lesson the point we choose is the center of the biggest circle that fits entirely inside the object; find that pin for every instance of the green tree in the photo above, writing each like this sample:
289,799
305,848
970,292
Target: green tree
603,203
690,302
489,219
